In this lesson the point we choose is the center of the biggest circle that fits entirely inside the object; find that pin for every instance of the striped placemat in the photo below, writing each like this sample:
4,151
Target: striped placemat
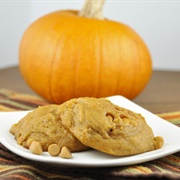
15,167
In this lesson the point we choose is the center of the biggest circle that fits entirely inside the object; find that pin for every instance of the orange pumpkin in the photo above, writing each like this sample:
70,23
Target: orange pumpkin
66,54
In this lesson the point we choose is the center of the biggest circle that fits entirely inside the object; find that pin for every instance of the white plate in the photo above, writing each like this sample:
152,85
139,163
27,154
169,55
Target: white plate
93,158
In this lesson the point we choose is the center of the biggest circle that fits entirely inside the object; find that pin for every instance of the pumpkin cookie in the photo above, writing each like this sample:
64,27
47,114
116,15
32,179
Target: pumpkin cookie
44,125
99,124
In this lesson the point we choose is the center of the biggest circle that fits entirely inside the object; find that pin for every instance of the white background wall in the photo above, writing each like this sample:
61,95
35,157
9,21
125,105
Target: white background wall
156,21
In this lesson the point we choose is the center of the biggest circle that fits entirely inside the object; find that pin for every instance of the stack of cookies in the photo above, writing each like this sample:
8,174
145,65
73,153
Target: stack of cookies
84,123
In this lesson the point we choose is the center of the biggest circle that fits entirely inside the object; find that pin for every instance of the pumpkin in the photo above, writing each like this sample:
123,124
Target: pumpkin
69,54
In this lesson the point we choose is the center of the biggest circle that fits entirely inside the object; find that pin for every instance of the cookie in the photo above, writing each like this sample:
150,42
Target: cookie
44,125
106,127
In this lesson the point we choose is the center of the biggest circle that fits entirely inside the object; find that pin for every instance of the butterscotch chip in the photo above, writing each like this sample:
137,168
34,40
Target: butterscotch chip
36,148
99,124
44,125
54,149
65,153
158,142
29,141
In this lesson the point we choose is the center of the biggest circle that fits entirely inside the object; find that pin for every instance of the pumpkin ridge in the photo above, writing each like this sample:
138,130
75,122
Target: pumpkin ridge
51,75
59,40
94,69
34,29
99,51
144,71
61,46
136,64
116,89
76,77
55,58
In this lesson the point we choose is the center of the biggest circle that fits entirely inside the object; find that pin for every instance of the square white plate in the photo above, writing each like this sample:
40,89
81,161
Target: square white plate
93,158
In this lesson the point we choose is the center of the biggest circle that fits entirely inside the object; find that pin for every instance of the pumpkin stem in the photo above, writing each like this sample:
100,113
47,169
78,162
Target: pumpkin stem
92,9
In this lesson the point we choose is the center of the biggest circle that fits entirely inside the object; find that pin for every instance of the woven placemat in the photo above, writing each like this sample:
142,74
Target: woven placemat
15,167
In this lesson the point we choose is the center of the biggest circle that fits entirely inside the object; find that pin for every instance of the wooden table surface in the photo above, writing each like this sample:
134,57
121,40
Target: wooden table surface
162,94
